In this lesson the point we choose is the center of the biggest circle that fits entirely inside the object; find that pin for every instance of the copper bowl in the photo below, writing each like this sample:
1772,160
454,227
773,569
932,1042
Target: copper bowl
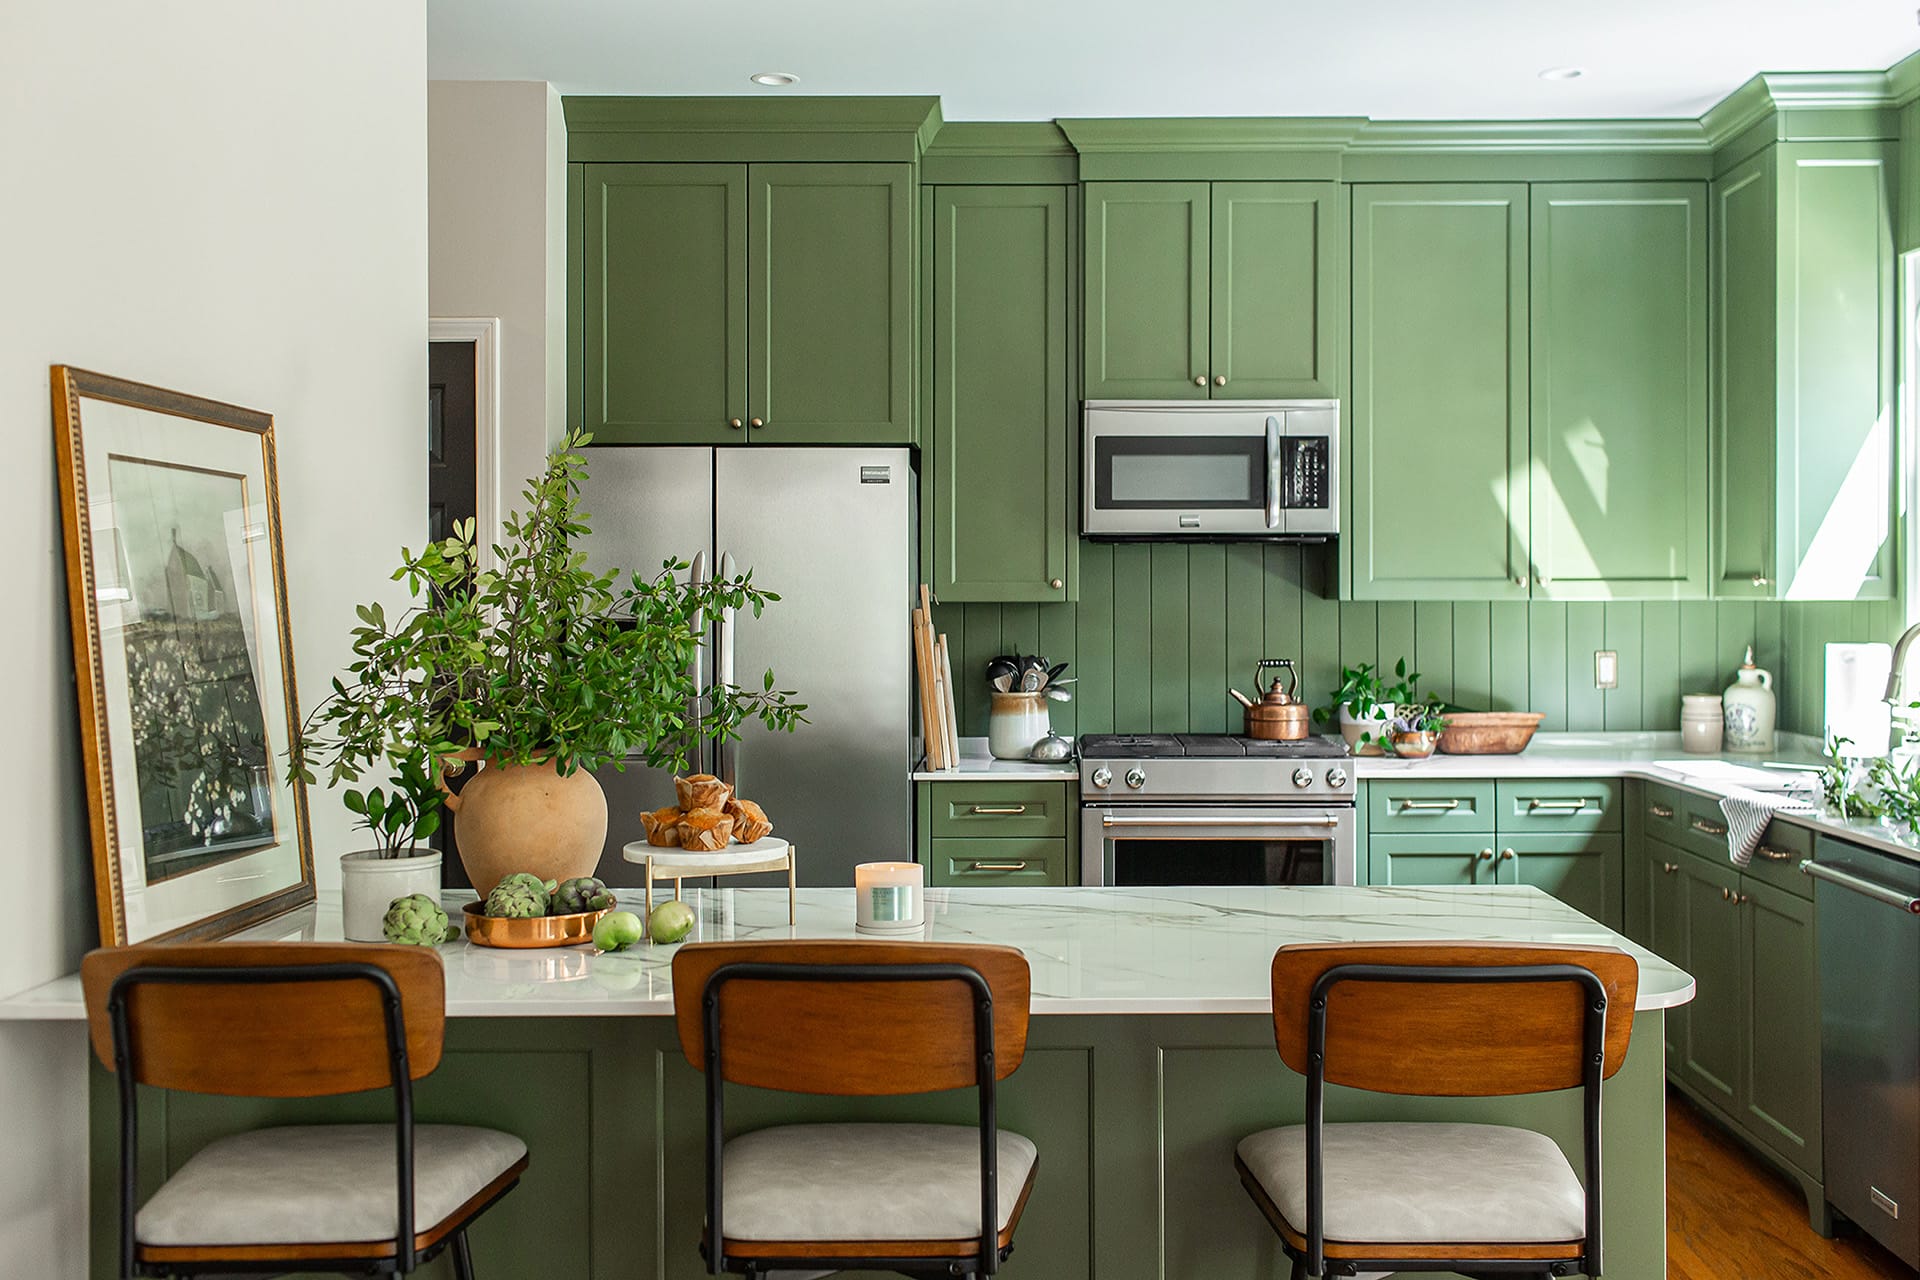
1488,733
538,931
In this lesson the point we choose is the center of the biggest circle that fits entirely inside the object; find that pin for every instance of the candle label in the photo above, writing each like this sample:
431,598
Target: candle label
891,903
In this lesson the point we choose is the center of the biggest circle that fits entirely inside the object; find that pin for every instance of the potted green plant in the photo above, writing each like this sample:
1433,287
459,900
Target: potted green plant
1414,731
1362,707
538,670
398,817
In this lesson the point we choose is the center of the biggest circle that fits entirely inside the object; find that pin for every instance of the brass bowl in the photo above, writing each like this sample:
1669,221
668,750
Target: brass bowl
538,931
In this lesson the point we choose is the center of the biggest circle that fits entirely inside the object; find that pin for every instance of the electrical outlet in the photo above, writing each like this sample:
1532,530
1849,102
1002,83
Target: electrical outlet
1606,669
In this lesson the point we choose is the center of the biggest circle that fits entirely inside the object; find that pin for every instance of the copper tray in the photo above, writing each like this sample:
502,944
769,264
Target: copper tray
538,931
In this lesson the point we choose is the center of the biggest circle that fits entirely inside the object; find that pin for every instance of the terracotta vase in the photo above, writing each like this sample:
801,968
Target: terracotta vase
526,817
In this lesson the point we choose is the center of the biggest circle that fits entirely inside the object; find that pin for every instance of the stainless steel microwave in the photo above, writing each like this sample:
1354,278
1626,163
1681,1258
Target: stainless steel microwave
1213,469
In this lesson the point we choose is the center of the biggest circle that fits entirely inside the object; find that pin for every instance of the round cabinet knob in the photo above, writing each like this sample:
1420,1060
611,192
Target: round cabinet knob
1486,855
1506,855
1760,580
1520,581
1103,777
1726,895
1136,778
1199,379
734,423
1056,583
1219,379
1303,778
1739,899
1336,777
1669,867
755,422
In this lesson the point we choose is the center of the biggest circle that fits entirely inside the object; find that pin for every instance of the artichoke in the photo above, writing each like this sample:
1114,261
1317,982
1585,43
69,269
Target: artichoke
519,897
417,920
582,893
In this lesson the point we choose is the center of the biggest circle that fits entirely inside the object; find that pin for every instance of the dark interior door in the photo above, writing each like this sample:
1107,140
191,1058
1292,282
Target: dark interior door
451,452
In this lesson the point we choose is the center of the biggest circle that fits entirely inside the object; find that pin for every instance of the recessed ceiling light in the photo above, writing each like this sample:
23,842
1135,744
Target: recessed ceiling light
1562,73
775,79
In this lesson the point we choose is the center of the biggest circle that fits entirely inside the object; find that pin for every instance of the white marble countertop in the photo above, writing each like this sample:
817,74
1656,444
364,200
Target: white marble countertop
978,765
1093,951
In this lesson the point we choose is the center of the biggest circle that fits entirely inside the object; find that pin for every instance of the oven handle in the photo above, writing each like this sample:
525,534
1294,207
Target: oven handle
1328,823
1273,471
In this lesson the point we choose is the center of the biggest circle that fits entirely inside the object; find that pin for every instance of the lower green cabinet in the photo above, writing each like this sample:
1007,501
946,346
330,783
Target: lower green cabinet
1662,928
1581,871
997,862
1710,1059
1781,1045
997,833
1442,859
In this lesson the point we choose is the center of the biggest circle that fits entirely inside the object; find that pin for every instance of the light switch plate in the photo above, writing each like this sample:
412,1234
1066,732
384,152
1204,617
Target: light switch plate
1606,669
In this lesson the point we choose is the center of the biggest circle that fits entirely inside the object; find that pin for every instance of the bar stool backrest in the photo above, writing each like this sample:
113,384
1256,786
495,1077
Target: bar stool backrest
1437,1038
846,1034
267,1019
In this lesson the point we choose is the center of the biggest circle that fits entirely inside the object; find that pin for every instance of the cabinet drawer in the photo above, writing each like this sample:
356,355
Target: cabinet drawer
998,862
999,809
1557,805
1399,807
1777,861
1660,813
1703,828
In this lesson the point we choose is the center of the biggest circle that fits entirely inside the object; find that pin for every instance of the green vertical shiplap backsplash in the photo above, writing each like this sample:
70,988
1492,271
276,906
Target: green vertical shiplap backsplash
1162,630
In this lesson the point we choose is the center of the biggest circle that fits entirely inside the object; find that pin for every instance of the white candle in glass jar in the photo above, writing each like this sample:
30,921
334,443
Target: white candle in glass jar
890,897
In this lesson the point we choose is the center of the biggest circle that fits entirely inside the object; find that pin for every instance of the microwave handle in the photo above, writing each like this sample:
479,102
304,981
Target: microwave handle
1273,471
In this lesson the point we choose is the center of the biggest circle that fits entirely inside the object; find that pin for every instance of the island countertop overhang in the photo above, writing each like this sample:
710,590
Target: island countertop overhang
1093,951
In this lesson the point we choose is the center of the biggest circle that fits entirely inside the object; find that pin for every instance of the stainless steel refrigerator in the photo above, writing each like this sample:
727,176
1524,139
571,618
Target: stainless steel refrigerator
832,532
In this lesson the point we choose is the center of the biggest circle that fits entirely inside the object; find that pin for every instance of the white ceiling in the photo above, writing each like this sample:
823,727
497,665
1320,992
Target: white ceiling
1040,59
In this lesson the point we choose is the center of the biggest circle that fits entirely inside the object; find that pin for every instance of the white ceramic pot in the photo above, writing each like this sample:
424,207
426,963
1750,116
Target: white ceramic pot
1701,727
1015,721
369,883
1747,709
1375,724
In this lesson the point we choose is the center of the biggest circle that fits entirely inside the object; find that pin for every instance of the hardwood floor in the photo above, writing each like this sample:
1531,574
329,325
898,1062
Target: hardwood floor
1729,1215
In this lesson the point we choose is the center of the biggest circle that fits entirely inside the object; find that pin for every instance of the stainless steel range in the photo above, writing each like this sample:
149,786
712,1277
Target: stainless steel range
1184,809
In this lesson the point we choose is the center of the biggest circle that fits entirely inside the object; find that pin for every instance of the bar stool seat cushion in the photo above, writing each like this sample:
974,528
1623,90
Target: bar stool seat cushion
812,1182
1416,1183
320,1184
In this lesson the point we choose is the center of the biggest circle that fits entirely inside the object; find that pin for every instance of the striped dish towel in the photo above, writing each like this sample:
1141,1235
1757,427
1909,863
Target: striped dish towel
1749,812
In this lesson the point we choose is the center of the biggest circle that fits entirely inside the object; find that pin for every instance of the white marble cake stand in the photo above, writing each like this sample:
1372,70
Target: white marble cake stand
769,853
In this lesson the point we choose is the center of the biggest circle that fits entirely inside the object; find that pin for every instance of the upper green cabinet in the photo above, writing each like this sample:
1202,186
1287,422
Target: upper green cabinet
1619,383
769,303
1803,440
1439,401
1223,289
1000,477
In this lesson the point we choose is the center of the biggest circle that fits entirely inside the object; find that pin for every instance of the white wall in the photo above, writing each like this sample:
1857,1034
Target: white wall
497,246
227,197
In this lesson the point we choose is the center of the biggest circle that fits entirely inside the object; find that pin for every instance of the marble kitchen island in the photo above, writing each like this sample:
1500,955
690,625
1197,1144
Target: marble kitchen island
1151,1054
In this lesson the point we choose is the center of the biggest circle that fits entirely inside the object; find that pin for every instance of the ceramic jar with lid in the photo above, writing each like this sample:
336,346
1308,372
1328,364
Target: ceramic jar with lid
1701,727
1015,722
1748,708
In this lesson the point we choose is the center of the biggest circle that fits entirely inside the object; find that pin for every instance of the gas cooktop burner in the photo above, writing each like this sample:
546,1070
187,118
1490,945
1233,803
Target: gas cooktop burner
1215,746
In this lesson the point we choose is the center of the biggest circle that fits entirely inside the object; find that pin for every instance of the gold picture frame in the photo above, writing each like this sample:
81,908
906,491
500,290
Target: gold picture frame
176,585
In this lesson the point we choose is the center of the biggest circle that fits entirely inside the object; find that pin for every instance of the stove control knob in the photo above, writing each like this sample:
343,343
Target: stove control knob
1303,777
1136,778
1336,777
1103,777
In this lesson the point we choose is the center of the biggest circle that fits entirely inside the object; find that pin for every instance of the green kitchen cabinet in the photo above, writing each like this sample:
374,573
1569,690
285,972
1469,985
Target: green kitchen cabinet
1582,871
1780,1086
1803,491
1618,371
1430,860
1440,392
665,287
1665,925
998,863
1712,1059
999,480
998,833
1224,289
730,303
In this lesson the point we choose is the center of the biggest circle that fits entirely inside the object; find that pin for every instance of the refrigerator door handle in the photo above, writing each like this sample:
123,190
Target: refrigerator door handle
726,751
698,758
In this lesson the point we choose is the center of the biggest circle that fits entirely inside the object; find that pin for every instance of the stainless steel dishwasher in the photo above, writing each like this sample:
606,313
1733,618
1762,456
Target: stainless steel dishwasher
1867,915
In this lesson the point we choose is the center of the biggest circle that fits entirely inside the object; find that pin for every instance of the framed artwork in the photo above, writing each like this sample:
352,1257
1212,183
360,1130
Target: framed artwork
177,587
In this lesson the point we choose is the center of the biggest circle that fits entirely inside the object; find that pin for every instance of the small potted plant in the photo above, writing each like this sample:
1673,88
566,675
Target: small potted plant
1361,708
397,817
1414,731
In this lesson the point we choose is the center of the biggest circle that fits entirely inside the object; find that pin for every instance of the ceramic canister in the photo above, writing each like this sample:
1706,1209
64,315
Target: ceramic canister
1748,708
1700,723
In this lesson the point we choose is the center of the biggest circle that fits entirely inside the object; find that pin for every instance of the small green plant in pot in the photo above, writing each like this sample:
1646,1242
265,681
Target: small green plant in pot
398,818
1414,731
1360,709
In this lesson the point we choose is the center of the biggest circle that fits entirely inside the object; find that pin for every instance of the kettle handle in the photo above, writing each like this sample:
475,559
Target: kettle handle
1293,688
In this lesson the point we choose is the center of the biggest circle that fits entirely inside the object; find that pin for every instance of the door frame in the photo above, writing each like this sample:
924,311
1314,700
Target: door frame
484,333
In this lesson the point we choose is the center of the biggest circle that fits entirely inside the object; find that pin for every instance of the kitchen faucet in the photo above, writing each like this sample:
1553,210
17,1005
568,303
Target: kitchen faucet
1895,674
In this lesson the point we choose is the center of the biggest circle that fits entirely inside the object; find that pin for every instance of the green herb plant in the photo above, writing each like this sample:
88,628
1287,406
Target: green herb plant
1841,779
405,812
537,659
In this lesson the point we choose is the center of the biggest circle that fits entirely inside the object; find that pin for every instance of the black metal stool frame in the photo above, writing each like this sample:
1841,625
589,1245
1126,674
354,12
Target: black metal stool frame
1593,1048
927,1268
405,1257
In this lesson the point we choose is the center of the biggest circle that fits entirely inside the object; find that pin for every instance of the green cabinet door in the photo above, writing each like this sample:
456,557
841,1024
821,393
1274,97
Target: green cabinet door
1439,392
1433,859
1278,278
1666,925
664,303
1745,248
1712,1062
1619,390
1002,399
1582,871
1147,290
830,303
1781,1090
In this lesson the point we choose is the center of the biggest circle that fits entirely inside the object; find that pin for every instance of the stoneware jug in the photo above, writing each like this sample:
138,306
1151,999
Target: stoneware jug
526,817
1748,708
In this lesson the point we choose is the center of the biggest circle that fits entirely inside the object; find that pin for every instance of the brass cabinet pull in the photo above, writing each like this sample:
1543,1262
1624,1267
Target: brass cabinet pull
1520,580
1669,867
1772,854
1486,855
1199,379
1056,583
1428,806
1219,379
1010,810
1706,828
997,866
1761,580
1556,806
1739,899
755,422
1660,810
1506,855
734,423
1726,894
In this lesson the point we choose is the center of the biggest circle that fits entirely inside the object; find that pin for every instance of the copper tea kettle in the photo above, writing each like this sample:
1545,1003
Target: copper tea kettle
1280,715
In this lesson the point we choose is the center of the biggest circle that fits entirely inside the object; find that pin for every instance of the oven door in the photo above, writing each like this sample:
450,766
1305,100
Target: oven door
1217,844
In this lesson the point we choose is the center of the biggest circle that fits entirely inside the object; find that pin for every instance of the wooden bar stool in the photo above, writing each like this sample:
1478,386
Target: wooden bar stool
291,1020
1440,1019
858,1019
